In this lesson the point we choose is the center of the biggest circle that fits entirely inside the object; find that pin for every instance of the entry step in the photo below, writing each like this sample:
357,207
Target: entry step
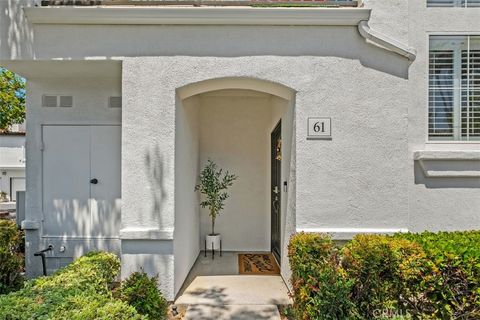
232,312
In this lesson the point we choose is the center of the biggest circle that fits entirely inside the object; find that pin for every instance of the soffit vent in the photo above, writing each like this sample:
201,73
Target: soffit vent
49,101
66,101
115,102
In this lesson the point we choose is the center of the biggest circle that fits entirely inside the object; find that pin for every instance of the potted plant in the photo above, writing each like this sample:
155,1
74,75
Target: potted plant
213,185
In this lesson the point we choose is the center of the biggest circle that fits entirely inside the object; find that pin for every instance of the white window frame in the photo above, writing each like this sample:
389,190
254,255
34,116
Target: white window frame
428,140
455,4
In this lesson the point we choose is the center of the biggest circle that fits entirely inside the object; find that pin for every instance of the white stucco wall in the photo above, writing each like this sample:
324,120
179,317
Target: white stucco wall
390,17
186,237
16,35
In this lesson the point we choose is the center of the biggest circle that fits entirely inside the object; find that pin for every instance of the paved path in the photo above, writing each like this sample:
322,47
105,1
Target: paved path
234,297
235,290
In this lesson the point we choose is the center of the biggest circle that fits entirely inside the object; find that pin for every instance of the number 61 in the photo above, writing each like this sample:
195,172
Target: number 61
319,127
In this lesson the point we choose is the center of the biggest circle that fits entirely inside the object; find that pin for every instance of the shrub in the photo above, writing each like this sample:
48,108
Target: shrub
455,290
141,292
320,290
79,291
11,260
419,276
95,307
389,274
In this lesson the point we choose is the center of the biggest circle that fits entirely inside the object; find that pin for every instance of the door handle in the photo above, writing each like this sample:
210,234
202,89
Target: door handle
94,181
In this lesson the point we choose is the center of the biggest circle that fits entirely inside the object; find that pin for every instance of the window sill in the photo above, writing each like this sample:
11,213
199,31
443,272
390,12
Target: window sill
453,142
449,164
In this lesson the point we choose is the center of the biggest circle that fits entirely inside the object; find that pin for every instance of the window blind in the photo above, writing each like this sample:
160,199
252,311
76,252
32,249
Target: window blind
471,93
454,88
441,95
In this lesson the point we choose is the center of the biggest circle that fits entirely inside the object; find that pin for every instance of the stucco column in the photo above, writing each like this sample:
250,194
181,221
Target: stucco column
148,136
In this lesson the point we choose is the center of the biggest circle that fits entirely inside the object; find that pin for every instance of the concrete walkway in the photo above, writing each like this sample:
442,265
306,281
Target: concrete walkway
215,290
232,312
236,290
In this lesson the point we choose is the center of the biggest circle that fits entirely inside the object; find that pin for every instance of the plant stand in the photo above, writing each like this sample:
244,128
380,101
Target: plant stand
213,249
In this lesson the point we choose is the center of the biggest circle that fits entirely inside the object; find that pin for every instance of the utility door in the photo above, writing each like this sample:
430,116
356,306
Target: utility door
275,194
81,180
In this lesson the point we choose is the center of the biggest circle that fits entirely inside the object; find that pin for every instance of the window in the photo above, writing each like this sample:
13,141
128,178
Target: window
454,88
453,3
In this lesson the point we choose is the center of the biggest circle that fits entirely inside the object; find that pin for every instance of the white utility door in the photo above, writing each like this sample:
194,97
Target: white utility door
74,204
105,167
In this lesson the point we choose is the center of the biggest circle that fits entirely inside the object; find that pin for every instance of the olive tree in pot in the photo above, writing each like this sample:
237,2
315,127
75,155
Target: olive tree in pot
214,183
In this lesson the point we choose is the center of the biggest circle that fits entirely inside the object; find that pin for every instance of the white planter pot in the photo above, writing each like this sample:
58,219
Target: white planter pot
213,240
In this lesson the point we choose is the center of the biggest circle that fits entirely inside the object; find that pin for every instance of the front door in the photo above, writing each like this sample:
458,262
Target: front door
275,205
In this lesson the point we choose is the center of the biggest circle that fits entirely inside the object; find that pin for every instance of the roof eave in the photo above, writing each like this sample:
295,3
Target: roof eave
197,15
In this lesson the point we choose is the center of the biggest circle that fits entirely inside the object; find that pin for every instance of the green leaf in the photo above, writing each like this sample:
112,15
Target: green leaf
12,99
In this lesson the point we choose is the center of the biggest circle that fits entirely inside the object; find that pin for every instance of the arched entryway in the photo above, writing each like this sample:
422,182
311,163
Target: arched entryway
231,120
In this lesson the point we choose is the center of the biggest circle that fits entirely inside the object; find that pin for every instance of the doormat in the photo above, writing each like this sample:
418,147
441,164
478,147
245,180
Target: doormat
257,263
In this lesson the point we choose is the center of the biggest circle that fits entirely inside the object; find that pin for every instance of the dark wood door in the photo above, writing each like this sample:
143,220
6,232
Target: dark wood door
275,190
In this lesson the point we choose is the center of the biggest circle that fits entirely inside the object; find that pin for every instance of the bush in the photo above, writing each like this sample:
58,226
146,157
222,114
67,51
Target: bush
420,276
82,290
11,260
321,290
389,274
141,292
455,289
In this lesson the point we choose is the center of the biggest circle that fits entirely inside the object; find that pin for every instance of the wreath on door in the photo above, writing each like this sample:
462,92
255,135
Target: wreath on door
279,150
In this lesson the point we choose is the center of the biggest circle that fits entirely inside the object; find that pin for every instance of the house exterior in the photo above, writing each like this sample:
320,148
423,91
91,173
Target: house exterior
12,166
376,103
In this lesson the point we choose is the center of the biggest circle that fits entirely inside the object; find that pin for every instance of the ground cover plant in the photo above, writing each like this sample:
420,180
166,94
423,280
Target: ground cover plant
81,290
404,276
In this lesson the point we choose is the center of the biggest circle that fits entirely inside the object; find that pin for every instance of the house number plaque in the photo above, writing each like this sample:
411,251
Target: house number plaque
319,128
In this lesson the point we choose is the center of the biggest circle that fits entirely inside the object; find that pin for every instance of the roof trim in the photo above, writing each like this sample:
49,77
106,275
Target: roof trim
292,16
197,15
385,42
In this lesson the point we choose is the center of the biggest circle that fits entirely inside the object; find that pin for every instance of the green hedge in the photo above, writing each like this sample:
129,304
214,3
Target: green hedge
82,290
405,276
11,260
454,290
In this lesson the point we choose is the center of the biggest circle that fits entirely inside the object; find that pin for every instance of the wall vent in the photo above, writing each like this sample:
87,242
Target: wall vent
66,101
115,102
51,101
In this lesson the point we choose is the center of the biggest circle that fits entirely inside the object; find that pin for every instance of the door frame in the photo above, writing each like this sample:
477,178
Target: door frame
275,181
